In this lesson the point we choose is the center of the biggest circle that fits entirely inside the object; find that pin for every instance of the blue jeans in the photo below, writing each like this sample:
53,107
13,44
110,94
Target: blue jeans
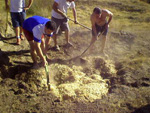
17,18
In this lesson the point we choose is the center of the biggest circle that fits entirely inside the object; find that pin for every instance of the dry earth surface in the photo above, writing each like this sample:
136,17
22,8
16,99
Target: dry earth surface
116,83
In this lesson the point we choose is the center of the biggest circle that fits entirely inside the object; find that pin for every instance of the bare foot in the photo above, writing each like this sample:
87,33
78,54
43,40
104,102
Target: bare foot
22,37
69,44
18,41
56,48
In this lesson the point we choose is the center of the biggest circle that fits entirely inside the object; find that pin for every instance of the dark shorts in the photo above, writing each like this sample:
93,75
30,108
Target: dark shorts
29,35
17,18
100,29
60,24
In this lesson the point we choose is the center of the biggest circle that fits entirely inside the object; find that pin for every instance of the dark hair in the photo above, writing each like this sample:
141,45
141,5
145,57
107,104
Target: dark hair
50,25
97,10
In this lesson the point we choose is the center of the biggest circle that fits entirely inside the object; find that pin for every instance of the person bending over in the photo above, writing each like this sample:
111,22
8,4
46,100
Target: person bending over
38,31
100,24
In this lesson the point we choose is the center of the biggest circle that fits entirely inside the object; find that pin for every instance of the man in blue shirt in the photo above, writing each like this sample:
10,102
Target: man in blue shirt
38,31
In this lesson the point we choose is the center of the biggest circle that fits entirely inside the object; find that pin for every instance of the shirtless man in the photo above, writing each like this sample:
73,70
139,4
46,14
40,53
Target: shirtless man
100,24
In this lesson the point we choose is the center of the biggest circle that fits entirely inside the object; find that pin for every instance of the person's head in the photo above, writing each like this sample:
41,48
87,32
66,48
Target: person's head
97,11
49,28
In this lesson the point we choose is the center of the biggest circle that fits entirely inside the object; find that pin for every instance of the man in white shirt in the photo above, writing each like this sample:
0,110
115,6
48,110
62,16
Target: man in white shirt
60,18
18,14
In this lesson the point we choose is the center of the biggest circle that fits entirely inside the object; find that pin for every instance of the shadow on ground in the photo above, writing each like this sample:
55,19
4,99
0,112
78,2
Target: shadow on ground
145,109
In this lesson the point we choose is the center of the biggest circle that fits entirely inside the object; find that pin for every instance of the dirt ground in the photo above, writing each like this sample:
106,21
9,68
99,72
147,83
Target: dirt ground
117,82
93,83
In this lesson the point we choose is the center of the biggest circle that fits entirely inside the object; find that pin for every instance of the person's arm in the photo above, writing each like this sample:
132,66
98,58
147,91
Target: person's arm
55,8
40,53
47,43
29,5
93,26
75,15
110,14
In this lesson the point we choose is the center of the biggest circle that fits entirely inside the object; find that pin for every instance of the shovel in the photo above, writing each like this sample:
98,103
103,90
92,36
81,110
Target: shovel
90,45
6,23
81,24
47,76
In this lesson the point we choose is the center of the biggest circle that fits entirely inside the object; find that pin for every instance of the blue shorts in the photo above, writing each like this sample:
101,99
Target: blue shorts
17,18
100,29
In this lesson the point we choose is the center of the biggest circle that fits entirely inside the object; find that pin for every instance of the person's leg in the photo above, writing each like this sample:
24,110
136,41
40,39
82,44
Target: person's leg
57,22
21,33
33,52
15,23
103,43
55,40
94,38
56,47
65,27
104,37
22,18
17,32
67,36
29,37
